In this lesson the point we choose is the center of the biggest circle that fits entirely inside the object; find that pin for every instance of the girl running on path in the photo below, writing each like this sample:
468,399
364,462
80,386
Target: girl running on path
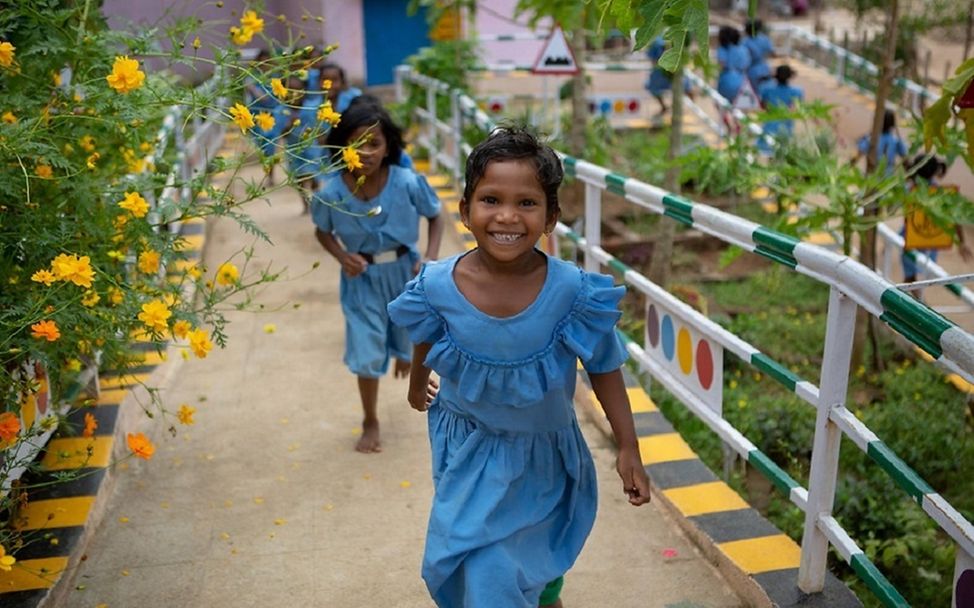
890,146
368,219
504,326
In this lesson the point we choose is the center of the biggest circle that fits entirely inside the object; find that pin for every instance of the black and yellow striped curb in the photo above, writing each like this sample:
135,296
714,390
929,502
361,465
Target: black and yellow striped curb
450,199
60,515
745,545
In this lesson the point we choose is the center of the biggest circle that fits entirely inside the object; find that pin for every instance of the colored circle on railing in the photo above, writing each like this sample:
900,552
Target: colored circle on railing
652,326
964,591
705,365
619,106
666,335
605,107
684,350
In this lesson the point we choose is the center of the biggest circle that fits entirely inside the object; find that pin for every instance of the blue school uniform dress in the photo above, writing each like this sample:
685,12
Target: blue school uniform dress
390,237
304,153
734,61
890,147
784,96
345,98
264,101
515,489
759,48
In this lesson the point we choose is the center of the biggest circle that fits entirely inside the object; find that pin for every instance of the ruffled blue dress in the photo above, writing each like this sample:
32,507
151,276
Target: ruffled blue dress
515,489
304,152
370,338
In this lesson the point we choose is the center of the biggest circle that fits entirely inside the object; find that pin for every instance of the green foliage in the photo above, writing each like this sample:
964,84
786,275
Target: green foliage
450,61
938,115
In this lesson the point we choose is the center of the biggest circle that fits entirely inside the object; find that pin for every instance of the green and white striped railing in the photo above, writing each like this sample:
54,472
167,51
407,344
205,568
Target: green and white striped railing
852,285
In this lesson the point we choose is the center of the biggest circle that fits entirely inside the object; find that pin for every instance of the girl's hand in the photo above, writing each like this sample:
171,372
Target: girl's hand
401,369
965,253
353,264
635,481
420,399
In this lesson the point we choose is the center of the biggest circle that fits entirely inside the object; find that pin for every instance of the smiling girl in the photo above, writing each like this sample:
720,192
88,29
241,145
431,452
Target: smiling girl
368,219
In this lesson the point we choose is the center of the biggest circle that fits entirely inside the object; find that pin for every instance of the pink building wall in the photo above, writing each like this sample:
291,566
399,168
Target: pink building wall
494,17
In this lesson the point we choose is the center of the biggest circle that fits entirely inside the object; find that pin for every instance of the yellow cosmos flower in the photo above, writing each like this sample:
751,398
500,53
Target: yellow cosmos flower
43,276
8,117
240,35
265,121
135,204
126,75
242,117
6,561
279,90
92,159
7,57
90,298
185,414
87,143
115,296
326,84
328,114
72,268
200,343
250,21
140,445
181,328
149,261
351,158
44,171
155,315
227,274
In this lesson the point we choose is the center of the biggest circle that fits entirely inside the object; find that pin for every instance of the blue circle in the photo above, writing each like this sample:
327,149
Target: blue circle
606,106
667,336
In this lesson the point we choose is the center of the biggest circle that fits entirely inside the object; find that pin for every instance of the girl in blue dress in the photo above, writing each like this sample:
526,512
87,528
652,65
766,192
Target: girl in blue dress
340,94
304,150
367,217
261,99
734,60
760,48
780,95
504,326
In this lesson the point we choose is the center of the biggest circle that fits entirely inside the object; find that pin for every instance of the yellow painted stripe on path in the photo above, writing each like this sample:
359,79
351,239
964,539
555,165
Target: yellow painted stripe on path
55,513
460,227
422,166
666,447
452,206
122,380
190,242
72,453
710,497
112,396
438,181
640,401
30,574
150,358
764,554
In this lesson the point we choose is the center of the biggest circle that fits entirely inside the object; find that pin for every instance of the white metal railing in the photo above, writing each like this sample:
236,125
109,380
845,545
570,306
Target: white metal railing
851,286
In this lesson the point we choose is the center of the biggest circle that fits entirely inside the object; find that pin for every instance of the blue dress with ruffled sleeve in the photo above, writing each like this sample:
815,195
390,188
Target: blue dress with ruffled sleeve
515,488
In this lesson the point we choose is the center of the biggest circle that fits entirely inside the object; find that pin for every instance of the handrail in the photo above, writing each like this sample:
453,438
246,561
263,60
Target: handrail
851,285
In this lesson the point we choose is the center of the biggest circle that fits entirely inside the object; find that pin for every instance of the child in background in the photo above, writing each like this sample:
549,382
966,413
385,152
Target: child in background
304,151
339,93
504,326
660,80
759,47
890,146
367,217
734,60
260,100
781,94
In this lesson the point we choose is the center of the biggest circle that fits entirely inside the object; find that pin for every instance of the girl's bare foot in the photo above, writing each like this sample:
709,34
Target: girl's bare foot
369,442
401,369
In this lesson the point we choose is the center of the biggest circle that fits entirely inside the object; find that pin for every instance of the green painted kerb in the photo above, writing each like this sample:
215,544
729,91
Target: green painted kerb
775,246
573,236
913,320
776,474
569,163
618,266
776,370
902,474
678,208
616,183
877,583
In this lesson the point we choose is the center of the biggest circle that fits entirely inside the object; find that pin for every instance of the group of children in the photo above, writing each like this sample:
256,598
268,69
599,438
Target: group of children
502,326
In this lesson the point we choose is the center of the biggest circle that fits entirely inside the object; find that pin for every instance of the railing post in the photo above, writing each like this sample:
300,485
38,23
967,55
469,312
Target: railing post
399,75
834,383
431,127
593,224
457,127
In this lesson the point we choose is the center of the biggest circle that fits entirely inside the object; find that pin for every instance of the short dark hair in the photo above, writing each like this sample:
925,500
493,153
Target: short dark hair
929,167
728,36
783,73
889,120
753,27
333,66
515,142
365,111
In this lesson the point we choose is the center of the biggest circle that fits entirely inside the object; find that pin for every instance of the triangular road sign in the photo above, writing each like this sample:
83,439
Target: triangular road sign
556,56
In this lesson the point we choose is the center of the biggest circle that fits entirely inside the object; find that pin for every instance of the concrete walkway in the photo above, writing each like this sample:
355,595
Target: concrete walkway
263,502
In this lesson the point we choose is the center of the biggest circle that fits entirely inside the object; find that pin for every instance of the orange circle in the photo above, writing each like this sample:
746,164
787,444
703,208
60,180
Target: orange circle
619,106
684,350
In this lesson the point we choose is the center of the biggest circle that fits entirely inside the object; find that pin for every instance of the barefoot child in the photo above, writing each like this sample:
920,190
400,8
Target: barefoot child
368,218
503,326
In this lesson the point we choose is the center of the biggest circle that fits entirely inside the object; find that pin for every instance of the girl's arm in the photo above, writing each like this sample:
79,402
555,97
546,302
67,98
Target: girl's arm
422,388
434,236
352,263
610,390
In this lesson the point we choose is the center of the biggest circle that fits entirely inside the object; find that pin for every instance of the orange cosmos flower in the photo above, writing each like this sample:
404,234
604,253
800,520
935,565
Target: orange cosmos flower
140,445
90,425
45,330
9,426
126,75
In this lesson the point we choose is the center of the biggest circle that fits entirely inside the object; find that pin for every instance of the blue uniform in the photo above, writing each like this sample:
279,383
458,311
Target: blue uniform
734,61
890,147
780,95
370,339
515,493
345,98
304,152
660,80
263,100
759,48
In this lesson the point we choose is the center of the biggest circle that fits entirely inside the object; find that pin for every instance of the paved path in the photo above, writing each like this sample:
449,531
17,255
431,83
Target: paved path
263,502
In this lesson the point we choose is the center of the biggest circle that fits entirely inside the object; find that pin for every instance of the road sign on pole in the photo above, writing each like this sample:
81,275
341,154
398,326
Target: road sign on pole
556,56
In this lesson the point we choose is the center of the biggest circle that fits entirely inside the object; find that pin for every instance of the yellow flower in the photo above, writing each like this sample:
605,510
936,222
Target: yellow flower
265,121
115,296
72,268
200,343
149,261
73,365
155,315
327,114
87,143
227,274
43,276
6,561
92,159
194,271
126,75
44,171
351,158
90,298
251,22
145,147
240,35
181,328
185,414
270,328
279,90
9,118
242,117
56,78
7,58
135,204
196,43
326,84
